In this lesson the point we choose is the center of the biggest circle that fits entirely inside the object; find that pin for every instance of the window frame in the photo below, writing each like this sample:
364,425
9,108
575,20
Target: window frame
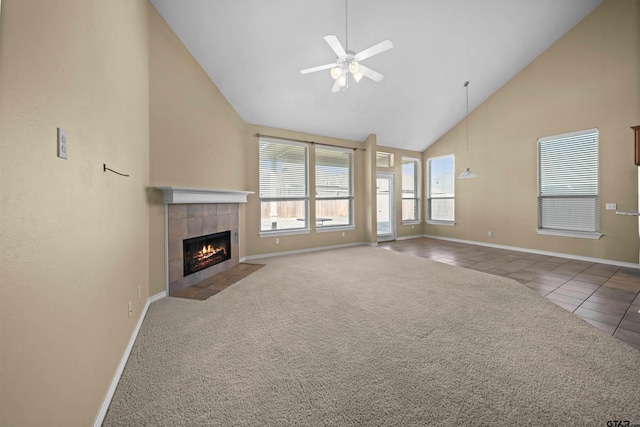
430,197
416,190
350,197
564,231
286,231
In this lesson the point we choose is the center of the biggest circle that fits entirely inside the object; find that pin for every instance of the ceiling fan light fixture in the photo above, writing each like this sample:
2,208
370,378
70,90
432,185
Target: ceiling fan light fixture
348,62
342,80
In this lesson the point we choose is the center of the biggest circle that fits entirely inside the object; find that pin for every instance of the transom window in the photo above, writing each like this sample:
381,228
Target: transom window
441,197
568,199
384,159
284,194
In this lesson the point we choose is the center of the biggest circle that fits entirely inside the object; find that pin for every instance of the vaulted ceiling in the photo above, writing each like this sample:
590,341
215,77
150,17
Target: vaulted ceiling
253,51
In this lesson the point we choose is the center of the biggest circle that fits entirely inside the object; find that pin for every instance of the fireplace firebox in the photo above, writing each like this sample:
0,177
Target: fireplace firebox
205,251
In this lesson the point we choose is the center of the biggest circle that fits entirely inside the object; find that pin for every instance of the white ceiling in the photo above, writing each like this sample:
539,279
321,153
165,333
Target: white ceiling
253,51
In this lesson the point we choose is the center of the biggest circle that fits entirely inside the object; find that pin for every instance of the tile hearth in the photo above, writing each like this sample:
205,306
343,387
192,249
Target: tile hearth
214,284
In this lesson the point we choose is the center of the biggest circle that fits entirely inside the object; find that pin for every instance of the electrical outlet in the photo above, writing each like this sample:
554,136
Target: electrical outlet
130,309
343,234
277,240
611,206
490,233
62,143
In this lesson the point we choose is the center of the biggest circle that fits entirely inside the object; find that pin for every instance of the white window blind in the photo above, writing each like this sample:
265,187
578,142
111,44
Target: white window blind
283,184
410,189
283,169
441,188
334,186
568,182
384,159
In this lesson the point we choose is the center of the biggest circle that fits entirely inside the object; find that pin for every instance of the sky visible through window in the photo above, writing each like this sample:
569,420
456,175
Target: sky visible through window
441,175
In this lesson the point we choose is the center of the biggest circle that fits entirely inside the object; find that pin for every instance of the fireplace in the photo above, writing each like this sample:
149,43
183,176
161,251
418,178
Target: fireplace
189,214
205,251
196,249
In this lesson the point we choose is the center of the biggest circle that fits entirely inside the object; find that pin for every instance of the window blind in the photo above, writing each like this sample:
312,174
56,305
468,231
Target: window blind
384,160
283,170
333,172
410,190
568,182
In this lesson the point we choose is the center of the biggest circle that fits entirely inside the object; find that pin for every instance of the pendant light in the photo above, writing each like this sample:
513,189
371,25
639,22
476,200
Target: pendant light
467,173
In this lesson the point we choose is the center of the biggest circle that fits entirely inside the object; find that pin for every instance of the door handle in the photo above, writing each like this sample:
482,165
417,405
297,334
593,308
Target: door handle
628,213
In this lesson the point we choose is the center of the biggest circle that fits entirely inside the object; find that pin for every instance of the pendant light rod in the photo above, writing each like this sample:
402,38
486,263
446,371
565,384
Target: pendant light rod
466,86
346,40
346,27
467,173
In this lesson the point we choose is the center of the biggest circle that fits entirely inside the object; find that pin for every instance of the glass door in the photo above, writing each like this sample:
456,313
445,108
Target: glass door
385,196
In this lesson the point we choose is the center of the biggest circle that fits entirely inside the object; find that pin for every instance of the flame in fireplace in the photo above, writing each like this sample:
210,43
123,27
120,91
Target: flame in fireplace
209,251
205,251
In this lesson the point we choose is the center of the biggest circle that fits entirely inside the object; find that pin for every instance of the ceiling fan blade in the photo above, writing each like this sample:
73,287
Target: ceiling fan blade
335,45
318,68
373,50
373,75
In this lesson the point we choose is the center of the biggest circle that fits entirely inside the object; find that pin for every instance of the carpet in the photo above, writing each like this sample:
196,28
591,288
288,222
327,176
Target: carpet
366,336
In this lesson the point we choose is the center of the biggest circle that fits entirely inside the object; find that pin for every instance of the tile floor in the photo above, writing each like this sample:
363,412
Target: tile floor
606,296
214,284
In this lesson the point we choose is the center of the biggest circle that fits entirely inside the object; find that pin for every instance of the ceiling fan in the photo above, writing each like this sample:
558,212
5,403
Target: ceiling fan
348,61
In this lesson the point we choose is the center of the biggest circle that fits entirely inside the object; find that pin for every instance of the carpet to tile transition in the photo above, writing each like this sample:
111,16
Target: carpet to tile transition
366,336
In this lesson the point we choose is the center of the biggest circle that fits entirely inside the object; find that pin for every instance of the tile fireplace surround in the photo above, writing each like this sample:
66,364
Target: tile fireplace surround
193,213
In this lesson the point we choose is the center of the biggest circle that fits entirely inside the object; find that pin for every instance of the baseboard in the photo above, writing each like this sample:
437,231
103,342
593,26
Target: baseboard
538,252
300,251
157,296
114,383
413,236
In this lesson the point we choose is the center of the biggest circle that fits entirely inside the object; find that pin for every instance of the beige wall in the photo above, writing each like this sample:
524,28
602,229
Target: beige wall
74,239
257,245
369,198
197,138
136,100
587,79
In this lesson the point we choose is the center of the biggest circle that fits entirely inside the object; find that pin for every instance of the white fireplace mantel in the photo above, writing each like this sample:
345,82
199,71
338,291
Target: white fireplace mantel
175,195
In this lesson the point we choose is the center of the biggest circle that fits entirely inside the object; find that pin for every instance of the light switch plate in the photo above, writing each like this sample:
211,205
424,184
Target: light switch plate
611,206
62,143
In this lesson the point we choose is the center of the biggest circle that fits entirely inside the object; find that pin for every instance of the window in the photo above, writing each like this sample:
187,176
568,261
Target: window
441,197
384,160
284,196
410,190
334,186
568,184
